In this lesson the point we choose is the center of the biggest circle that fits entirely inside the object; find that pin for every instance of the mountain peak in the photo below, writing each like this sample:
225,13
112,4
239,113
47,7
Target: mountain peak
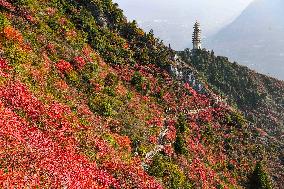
255,38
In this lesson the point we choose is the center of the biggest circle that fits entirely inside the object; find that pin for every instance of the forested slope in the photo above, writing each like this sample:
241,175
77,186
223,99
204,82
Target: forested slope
87,101
259,97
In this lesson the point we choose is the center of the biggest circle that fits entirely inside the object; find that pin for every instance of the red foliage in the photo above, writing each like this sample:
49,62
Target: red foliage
51,11
4,67
79,62
7,5
123,142
199,109
38,160
171,134
51,48
52,150
126,46
97,87
12,34
18,97
133,175
42,147
62,85
64,66
153,139
168,150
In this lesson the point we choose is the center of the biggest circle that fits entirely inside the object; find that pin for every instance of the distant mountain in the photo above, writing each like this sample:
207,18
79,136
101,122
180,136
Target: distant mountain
255,38
172,20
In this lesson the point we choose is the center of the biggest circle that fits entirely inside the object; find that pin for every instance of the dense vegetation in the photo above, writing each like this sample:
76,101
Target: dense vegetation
259,178
259,97
86,101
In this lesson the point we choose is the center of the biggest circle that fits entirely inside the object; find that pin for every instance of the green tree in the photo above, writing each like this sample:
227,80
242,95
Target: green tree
259,178
181,124
179,145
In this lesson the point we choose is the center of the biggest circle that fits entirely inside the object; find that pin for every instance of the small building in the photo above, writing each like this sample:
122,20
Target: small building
196,36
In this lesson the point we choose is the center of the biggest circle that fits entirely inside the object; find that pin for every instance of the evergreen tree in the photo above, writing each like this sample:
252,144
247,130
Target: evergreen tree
259,178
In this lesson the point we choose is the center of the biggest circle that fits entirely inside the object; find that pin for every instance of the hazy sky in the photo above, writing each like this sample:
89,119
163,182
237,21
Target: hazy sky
210,12
173,18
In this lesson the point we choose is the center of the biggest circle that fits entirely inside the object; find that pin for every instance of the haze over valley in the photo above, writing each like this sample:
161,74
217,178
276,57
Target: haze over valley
248,32
172,21
255,38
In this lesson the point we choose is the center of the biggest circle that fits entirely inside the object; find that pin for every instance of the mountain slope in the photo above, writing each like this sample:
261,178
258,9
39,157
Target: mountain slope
255,38
259,97
87,100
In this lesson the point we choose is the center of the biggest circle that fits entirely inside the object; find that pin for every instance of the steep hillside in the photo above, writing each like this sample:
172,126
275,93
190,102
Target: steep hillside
259,97
255,38
88,100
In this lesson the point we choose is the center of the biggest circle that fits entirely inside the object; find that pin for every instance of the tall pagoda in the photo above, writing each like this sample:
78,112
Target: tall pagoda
196,36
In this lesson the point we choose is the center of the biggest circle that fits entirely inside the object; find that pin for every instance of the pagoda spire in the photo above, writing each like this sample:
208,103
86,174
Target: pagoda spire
196,36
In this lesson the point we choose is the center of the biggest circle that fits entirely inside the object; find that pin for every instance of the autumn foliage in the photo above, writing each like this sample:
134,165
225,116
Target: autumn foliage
12,34
64,66
92,104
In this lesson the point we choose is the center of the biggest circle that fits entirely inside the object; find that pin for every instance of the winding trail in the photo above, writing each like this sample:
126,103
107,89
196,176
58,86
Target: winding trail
180,73
161,139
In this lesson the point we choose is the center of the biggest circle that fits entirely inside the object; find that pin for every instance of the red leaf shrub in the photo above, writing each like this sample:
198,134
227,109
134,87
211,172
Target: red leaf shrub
38,160
51,48
64,66
7,5
79,62
12,34
4,64
4,67
168,150
53,151
19,98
